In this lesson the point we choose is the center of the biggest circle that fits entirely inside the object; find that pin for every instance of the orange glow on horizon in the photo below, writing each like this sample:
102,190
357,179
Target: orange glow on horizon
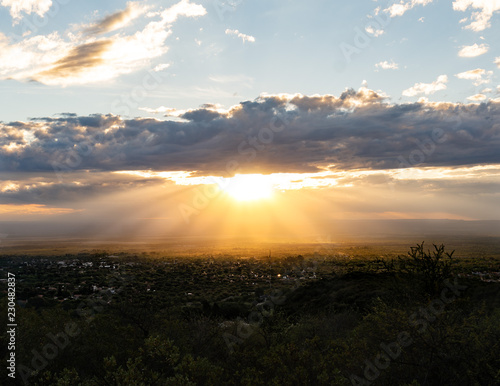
33,209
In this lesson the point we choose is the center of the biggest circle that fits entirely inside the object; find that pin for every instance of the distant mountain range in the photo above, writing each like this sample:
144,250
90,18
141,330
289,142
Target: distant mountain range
342,228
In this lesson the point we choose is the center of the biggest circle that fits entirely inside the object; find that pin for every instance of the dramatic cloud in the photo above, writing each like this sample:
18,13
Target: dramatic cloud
482,14
399,9
385,65
274,133
358,155
479,76
473,51
427,88
50,189
117,20
245,38
78,59
17,7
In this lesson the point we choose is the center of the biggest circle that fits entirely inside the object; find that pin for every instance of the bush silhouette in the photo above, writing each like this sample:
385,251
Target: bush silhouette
426,267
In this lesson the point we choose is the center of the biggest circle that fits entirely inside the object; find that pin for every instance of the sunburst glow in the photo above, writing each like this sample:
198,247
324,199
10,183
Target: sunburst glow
248,187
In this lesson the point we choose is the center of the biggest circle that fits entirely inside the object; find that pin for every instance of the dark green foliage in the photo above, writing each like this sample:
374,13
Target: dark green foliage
426,268
432,267
290,321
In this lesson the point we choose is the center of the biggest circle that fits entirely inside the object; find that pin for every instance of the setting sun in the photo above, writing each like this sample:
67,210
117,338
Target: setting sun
248,187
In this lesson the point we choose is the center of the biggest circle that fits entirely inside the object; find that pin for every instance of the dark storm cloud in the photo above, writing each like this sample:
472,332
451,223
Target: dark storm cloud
27,188
270,134
201,115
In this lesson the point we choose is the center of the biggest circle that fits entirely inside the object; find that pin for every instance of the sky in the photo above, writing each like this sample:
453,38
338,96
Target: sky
144,111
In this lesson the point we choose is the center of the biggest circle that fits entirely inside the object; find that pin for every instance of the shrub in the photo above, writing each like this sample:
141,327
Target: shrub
426,267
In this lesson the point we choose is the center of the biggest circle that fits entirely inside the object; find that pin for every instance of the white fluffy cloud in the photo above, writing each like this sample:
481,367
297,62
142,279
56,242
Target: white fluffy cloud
473,50
84,58
497,61
479,76
23,59
427,88
385,65
483,10
183,8
399,9
244,37
18,7
477,98
161,67
374,32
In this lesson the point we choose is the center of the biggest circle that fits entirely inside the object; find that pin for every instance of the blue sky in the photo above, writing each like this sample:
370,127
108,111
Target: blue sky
345,109
297,48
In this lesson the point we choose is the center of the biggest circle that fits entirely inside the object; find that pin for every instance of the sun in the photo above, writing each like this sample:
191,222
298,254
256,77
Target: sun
249,187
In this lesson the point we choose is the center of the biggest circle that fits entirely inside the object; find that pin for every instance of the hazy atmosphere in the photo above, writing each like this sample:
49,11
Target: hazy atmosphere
210,154
133,111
